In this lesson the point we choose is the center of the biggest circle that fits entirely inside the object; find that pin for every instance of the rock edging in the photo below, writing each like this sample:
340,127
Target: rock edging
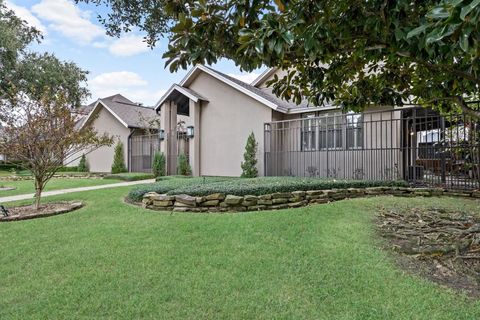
219,202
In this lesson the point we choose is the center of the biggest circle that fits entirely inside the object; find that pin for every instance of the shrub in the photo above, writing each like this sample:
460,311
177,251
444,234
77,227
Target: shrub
130,176
249,165
166,184
83,164
183,168
67,169
159,164
267,185
118,165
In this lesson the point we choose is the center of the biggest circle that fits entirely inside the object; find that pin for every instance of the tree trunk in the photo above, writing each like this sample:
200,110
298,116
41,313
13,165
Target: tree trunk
38,192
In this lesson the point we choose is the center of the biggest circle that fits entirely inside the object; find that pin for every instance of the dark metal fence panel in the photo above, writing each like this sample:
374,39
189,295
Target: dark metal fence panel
417,145
141,152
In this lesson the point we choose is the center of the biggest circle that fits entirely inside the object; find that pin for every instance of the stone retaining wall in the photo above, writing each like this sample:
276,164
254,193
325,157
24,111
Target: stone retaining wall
219,202
59,175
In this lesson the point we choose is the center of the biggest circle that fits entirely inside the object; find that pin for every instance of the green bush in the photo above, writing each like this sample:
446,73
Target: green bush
203,186
183,168
159,164
249,165
130,176
16,165
118,165
83,164
169,183
267,185
67,169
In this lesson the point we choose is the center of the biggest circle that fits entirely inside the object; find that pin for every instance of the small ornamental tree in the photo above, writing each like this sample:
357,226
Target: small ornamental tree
42,134
118,165
159,163
83,164
249,165
184,168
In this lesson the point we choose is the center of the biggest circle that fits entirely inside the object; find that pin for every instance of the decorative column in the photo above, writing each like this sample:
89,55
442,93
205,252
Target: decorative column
168,122
194,147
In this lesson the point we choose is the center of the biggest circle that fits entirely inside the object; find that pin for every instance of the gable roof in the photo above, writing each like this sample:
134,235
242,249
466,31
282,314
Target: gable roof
128,113
264,76
264,96
189,93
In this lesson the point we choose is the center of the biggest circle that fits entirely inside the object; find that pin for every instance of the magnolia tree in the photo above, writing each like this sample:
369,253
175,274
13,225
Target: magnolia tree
42,134
348,52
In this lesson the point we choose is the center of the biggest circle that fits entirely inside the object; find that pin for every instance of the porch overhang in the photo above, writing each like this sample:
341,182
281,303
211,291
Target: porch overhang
181,96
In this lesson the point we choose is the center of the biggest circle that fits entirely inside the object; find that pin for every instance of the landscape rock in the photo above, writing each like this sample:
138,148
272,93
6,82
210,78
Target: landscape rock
215,196
186,199
233,200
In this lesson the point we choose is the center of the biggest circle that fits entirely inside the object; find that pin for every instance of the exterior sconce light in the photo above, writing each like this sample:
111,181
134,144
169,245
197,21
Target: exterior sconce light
190,132
161,134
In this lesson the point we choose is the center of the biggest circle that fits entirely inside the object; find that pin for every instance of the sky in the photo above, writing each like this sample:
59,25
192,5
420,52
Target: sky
123,65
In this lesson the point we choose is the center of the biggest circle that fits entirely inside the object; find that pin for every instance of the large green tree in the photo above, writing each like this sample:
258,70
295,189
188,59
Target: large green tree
352,53
25,74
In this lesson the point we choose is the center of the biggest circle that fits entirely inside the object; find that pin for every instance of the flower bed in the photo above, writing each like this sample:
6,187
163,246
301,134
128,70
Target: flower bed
220,202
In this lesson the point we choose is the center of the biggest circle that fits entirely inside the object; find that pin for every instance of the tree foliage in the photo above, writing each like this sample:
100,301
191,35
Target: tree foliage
351,53
30,75
159,164
41,135
249,165
118,165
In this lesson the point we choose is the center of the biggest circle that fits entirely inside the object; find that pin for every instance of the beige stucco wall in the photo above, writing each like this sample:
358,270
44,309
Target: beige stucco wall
225,123
101,159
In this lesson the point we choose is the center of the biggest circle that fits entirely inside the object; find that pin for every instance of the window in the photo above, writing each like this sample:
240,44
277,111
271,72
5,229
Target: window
330,132
354,130
309,133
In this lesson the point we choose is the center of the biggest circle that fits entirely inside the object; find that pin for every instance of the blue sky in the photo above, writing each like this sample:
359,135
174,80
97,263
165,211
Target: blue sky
125,65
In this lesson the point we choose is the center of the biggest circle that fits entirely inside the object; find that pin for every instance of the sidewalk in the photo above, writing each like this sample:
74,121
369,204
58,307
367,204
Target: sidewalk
64,191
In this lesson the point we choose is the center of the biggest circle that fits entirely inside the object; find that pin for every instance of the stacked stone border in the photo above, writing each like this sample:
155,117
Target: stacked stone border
219,202
63,176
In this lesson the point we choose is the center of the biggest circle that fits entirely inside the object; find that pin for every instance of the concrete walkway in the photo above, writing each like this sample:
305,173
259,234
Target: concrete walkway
64,191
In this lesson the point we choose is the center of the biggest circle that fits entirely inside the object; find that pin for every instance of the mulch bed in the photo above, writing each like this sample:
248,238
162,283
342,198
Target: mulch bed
443,246
46,210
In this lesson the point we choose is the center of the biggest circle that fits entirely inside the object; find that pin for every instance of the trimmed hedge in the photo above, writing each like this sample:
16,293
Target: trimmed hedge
255,186
267,185
166,184
130,176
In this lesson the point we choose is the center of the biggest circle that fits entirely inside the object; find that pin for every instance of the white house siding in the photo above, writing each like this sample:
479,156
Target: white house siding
101,159
225,123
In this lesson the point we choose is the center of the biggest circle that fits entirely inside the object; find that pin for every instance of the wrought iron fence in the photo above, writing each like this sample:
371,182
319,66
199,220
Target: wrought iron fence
143,147
141,152
416,145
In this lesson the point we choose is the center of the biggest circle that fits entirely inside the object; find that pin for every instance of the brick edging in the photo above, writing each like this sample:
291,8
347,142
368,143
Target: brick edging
219,202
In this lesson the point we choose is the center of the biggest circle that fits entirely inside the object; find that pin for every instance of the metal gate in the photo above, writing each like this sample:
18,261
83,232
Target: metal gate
416,145
141,152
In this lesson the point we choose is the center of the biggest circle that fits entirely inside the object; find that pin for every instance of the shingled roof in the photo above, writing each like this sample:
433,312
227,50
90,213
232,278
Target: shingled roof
130,114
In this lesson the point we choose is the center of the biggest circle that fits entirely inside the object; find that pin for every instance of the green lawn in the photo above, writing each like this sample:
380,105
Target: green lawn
26,186
113,260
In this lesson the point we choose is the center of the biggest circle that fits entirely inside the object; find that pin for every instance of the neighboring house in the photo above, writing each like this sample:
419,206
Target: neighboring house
124,120
383,143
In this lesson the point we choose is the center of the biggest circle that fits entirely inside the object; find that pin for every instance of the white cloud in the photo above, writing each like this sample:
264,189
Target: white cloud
68,19
245,77
128,45
127,83
25,14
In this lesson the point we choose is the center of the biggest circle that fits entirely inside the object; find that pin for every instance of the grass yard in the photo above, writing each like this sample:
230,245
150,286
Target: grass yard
27,186
114,260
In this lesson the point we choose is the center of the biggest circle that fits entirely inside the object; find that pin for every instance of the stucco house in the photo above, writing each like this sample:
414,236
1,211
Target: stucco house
124,120
218,113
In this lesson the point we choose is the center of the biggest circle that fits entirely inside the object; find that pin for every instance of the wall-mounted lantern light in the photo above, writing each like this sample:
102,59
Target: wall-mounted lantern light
161,134
190,132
